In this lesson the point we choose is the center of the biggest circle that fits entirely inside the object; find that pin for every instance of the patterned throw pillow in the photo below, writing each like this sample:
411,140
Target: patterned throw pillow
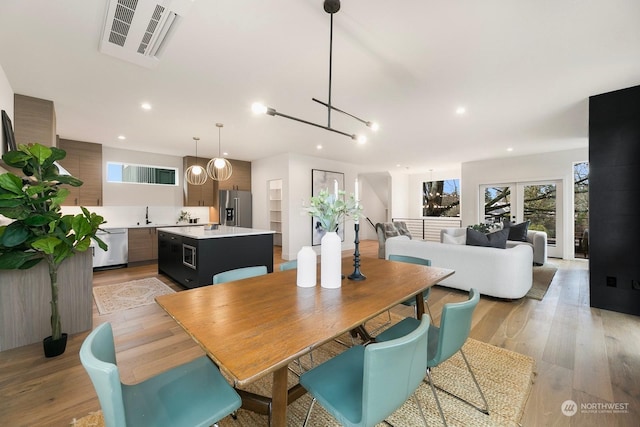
389,230
401,226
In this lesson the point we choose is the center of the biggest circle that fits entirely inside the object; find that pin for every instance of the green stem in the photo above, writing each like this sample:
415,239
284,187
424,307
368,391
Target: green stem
56,326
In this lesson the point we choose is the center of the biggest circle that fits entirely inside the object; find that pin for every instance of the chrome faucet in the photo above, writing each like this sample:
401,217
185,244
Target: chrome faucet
146,216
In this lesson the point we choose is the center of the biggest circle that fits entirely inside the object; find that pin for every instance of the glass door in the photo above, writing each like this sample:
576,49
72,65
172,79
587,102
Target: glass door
538,202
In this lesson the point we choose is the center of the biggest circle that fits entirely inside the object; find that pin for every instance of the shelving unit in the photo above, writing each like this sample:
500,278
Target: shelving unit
275,210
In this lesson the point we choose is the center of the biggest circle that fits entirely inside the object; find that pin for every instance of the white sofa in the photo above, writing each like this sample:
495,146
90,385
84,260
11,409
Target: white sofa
537,240
502,273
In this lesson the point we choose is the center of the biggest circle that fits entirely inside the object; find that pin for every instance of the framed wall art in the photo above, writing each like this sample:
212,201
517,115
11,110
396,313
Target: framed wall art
8,138
333,182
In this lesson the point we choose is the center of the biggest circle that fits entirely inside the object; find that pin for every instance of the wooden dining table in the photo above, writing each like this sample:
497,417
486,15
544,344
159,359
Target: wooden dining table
255,327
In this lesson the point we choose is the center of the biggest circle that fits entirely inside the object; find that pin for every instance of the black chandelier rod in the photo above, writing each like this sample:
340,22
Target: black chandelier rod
273,112
331,107
330,71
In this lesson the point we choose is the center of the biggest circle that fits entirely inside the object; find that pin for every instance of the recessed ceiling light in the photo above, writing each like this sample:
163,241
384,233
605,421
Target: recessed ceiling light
145,106
510,149
461,110
318,147
122,137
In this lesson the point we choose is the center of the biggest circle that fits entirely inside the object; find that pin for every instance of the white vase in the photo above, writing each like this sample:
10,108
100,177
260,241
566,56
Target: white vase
331,261
307,267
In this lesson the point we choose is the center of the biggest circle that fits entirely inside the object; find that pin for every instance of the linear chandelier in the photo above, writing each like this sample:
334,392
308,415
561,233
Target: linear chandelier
331,7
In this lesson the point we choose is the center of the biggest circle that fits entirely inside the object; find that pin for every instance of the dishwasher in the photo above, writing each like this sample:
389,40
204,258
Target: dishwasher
117,240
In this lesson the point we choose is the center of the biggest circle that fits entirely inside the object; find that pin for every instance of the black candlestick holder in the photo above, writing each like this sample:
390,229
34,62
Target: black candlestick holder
356,275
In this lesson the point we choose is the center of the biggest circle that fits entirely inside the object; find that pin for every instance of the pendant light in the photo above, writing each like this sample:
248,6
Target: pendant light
195,174
219,168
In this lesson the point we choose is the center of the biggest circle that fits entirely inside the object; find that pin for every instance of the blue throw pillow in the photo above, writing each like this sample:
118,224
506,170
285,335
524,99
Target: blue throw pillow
497,239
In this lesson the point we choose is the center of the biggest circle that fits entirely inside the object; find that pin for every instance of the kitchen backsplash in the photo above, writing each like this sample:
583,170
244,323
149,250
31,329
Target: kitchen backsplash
131,216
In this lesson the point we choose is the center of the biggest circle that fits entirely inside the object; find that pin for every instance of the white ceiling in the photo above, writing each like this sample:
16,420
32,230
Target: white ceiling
523,69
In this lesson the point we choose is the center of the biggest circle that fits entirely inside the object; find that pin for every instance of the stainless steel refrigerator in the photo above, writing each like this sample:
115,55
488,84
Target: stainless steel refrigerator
235,208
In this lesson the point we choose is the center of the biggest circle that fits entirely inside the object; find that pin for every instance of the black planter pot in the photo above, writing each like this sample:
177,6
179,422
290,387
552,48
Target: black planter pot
54,348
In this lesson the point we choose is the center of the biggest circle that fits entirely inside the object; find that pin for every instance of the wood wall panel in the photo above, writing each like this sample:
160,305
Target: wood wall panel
25,297
34,121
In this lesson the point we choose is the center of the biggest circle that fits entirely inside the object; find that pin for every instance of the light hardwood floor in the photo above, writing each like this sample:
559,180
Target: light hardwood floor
590,356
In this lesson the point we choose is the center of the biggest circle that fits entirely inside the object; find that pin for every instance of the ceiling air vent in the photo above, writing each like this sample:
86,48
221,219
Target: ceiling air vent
138,30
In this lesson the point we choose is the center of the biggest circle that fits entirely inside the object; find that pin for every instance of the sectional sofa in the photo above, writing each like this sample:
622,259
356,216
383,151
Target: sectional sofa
502,273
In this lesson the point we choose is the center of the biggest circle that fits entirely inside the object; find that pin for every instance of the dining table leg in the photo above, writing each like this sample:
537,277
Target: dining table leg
279,398
420,306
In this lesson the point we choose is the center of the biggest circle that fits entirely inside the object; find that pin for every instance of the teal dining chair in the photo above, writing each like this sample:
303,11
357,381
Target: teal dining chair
239,274
410,301
445,341
365,384
419,261
289,265
193,394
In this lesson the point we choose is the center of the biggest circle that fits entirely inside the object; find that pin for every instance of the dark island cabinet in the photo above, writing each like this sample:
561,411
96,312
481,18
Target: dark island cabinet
192,262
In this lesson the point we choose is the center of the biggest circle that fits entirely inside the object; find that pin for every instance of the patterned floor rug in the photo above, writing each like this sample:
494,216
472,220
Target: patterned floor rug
127,295
505,377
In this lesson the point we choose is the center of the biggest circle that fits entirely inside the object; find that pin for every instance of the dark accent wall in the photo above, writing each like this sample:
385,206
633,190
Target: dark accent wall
614,200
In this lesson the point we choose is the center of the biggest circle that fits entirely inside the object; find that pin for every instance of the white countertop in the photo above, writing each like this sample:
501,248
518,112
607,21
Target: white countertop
108,225
198,232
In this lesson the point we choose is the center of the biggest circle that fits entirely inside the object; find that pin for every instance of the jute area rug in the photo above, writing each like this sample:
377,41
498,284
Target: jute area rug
505,377
542,277
127,295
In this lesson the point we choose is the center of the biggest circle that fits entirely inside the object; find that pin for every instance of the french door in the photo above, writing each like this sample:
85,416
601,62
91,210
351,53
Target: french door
539,202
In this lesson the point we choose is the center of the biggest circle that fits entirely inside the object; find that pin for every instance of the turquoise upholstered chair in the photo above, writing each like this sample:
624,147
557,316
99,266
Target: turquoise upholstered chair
289,265
419,261
365,384
239,274
193,394
445,341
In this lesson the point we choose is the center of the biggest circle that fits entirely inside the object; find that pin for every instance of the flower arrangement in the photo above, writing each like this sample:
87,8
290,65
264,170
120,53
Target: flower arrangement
331,209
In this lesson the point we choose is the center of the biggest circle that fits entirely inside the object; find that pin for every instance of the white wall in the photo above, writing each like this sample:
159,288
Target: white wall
295,172
537,167
125,194
399,197
372,206
6,103
263,171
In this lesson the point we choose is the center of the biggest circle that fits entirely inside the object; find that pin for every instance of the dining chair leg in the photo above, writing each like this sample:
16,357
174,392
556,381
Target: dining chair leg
301,367
306,419
386,323
475,381
433,390
424,419
484,400
415,310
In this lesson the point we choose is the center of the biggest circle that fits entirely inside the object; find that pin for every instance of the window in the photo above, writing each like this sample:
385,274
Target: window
441,198
141,174
581,208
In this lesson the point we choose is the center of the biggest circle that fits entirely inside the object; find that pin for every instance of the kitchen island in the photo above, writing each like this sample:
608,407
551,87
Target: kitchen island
192,255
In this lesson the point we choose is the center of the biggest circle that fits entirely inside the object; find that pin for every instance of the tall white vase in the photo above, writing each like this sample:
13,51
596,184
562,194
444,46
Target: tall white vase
307,267
331,260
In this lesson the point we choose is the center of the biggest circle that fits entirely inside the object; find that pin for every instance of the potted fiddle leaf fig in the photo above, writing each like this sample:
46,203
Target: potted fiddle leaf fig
39,231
